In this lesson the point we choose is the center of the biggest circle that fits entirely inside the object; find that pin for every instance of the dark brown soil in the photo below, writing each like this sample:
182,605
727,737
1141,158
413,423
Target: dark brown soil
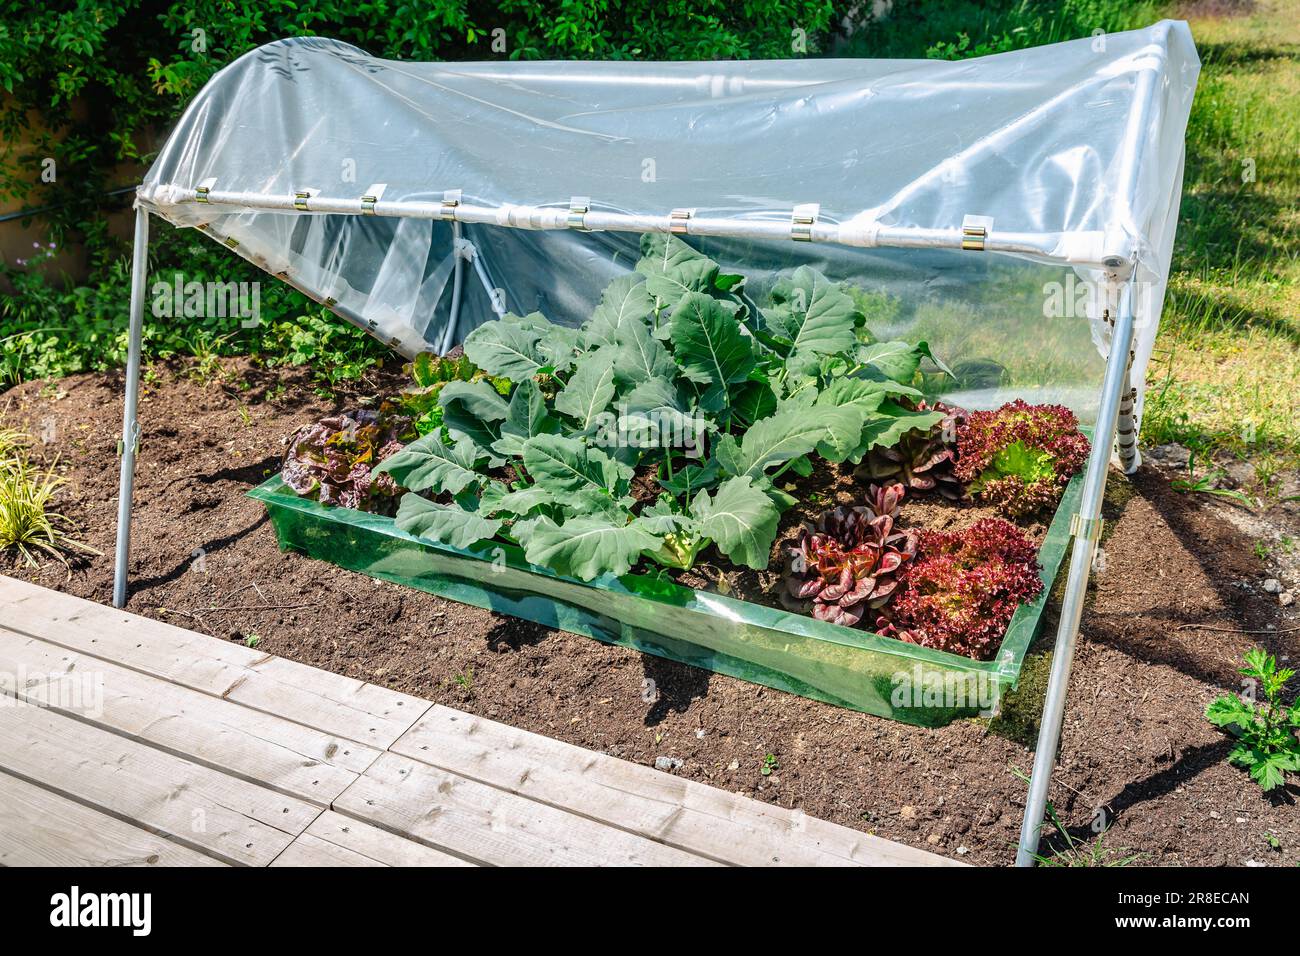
1178,585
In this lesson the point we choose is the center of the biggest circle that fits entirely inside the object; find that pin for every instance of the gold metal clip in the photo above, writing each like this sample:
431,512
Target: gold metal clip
678,220
579,206
450,200
802,220
1086,528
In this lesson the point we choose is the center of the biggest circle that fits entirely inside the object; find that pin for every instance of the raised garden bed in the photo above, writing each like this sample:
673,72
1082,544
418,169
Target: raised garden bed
840,665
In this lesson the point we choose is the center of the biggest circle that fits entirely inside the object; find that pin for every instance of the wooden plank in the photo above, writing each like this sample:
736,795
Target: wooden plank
681,813
488,825
336,840
247,743
338,705
232,819
40,828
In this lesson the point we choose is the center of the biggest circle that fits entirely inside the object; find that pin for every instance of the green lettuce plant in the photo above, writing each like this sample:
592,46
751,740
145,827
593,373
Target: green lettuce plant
678,380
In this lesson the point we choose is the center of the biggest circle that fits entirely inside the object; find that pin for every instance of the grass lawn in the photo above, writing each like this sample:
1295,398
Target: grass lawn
1223,379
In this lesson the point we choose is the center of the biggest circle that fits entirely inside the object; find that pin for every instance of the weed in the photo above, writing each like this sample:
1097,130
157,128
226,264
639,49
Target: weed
770,765
1268,732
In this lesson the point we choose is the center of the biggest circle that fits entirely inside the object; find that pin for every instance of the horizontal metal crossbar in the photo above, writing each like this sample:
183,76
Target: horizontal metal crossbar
1094,249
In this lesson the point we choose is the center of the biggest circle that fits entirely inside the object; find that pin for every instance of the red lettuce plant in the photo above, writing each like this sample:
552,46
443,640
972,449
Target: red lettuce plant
959,593
884,501
847,564
334,458
1020,457
923,459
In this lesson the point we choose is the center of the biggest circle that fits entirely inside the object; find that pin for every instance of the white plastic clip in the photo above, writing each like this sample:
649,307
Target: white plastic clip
678,221
802,221
450,200
372,196
301,196
205,187
975,232
579,206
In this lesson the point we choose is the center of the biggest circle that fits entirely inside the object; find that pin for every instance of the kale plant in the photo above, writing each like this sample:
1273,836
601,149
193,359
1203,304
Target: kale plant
678,382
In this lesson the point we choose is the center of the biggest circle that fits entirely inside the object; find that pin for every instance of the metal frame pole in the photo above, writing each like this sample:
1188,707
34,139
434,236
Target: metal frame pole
1086,528
130,441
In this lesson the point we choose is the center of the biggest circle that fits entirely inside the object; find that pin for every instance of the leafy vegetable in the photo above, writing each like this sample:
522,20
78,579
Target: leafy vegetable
1020,456
678,385
923,457
848,564
336,458
960,592
1268,731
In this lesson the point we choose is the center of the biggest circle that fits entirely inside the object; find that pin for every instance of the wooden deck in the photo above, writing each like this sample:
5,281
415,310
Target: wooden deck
126,741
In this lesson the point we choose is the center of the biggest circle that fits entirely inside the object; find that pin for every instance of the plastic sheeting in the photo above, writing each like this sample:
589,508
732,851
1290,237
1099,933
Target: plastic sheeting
1081,142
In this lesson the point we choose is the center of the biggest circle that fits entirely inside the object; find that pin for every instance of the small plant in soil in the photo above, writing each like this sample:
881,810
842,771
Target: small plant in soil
1267,731
335,459
28,524
924,459
849,563
770,765
962,588
1020,457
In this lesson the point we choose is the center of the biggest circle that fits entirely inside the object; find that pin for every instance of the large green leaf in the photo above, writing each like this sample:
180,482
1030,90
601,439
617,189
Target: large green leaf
741,519
591,389
526,416
710,348
814,315
624,301
473,410
508,347
860,397
690,478
521,501
785,435
752,400
587,547
640,357
565,466
448,524
896,361
428,464
894,421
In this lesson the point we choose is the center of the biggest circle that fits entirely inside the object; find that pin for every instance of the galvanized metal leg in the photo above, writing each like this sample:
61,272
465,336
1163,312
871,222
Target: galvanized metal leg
1086,528
130,442
457,280
494,297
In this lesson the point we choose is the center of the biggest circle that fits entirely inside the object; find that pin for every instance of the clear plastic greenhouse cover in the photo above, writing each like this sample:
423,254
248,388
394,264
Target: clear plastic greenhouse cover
1066,143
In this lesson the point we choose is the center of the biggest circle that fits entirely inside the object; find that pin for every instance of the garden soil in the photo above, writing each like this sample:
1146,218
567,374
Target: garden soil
1161,637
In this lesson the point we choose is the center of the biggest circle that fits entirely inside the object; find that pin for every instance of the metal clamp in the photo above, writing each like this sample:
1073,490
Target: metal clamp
579,206
203,188
1087,528
450,200
301,196
975,232
135,441
678,221
802,221
372,196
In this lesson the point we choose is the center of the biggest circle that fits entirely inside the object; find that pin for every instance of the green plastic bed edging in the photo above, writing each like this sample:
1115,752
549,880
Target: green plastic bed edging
791,652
